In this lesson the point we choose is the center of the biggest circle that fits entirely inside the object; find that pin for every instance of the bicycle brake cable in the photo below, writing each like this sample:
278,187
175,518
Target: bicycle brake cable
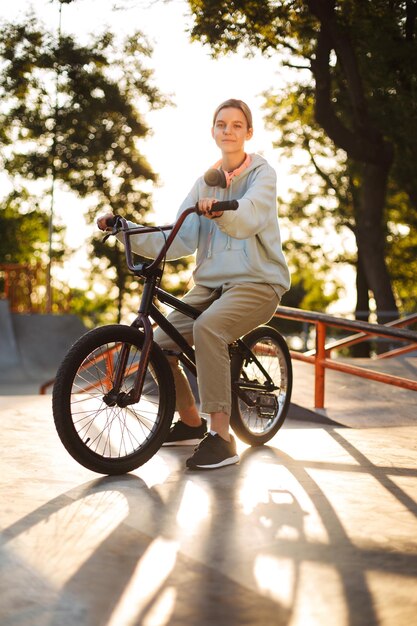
164,257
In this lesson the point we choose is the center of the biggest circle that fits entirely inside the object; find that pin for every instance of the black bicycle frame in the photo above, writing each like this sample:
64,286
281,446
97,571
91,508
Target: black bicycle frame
147,309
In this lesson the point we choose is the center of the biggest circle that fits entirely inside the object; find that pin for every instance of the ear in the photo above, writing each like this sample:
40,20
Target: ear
249,134
212,131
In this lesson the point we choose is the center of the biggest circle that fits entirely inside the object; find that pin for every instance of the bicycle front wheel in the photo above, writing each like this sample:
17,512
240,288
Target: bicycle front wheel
101,433
265,384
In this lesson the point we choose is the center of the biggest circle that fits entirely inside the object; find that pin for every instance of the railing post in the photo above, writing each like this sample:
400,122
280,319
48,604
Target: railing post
318,365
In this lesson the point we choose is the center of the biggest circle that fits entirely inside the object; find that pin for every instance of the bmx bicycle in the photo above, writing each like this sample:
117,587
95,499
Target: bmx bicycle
114,395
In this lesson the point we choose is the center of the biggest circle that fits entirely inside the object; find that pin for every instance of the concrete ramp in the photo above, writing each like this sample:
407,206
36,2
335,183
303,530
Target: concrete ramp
43,340
32,347
9,354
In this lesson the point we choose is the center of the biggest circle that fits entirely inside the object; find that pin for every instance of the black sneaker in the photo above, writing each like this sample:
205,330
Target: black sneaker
212,452
183,435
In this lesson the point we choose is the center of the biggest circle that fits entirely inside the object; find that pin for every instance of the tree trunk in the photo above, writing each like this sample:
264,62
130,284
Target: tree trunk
363,349
363,143
370,235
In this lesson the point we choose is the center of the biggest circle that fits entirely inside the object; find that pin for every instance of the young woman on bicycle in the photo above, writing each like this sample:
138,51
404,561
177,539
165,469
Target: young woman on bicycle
240,277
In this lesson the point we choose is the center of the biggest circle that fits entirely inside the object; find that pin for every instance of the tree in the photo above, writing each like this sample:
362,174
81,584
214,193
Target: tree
362,56
329,194
321,204
327,201
71,113
24,229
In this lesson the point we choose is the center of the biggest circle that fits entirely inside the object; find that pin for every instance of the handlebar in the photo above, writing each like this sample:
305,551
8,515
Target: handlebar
119,224
222,205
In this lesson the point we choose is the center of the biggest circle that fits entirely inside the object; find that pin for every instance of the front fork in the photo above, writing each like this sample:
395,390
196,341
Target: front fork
121,398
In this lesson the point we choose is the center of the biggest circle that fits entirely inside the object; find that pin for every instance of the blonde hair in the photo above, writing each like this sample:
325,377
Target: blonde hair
235,104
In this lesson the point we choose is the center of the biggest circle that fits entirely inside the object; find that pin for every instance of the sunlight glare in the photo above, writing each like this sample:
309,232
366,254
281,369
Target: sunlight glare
275,578
160,613
151,572
269,491
254,489
154,472
194,507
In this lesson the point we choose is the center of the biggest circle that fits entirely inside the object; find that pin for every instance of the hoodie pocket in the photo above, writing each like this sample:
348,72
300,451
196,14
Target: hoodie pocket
227,264
225,243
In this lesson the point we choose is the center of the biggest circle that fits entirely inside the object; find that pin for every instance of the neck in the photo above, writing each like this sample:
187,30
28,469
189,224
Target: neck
231,162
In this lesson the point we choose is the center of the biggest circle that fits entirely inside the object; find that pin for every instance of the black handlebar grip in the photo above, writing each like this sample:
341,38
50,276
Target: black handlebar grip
225,205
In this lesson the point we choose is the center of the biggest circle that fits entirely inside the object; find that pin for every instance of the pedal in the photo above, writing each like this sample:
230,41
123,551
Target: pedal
266,404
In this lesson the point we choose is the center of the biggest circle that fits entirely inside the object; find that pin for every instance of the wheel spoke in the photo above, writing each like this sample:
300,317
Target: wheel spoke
267,379
91,420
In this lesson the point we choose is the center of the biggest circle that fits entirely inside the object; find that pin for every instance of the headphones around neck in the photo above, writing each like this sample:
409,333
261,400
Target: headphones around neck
217,177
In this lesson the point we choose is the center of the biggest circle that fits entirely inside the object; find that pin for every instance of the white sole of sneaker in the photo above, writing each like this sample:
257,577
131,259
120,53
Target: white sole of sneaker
230,461
186,442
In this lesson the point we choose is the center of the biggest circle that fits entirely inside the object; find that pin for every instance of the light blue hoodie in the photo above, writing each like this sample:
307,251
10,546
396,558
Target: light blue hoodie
238,247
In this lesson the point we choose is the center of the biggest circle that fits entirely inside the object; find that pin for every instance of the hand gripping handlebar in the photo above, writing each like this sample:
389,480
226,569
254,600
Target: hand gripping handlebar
222,205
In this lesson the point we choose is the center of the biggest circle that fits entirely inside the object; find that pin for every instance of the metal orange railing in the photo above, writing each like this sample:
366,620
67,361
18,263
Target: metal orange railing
352,340
321,356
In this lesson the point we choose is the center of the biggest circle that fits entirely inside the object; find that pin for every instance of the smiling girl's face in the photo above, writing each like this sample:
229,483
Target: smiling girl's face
230,131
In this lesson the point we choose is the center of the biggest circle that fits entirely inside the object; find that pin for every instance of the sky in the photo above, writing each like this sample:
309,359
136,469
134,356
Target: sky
181,147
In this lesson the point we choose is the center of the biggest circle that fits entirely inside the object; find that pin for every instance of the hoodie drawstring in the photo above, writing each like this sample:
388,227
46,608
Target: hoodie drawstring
210,241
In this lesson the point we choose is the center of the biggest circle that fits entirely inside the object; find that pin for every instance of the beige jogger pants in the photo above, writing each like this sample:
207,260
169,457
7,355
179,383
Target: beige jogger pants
239,309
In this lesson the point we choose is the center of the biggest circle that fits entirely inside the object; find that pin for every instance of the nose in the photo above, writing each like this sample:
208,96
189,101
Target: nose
227,129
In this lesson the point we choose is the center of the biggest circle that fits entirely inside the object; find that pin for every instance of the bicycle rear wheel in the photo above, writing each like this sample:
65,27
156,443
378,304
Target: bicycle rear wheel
267,389
101,434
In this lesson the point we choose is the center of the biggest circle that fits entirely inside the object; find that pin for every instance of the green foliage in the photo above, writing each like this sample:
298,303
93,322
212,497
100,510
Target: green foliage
229,25
310,292
73,113
402,247
321,203
89,137
329,193
92,307
327,183
24,235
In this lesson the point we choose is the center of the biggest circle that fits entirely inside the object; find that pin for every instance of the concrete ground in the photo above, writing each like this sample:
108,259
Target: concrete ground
318,528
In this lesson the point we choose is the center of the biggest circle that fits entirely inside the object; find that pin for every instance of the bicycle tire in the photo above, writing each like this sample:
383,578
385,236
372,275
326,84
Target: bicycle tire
111,439
257,424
